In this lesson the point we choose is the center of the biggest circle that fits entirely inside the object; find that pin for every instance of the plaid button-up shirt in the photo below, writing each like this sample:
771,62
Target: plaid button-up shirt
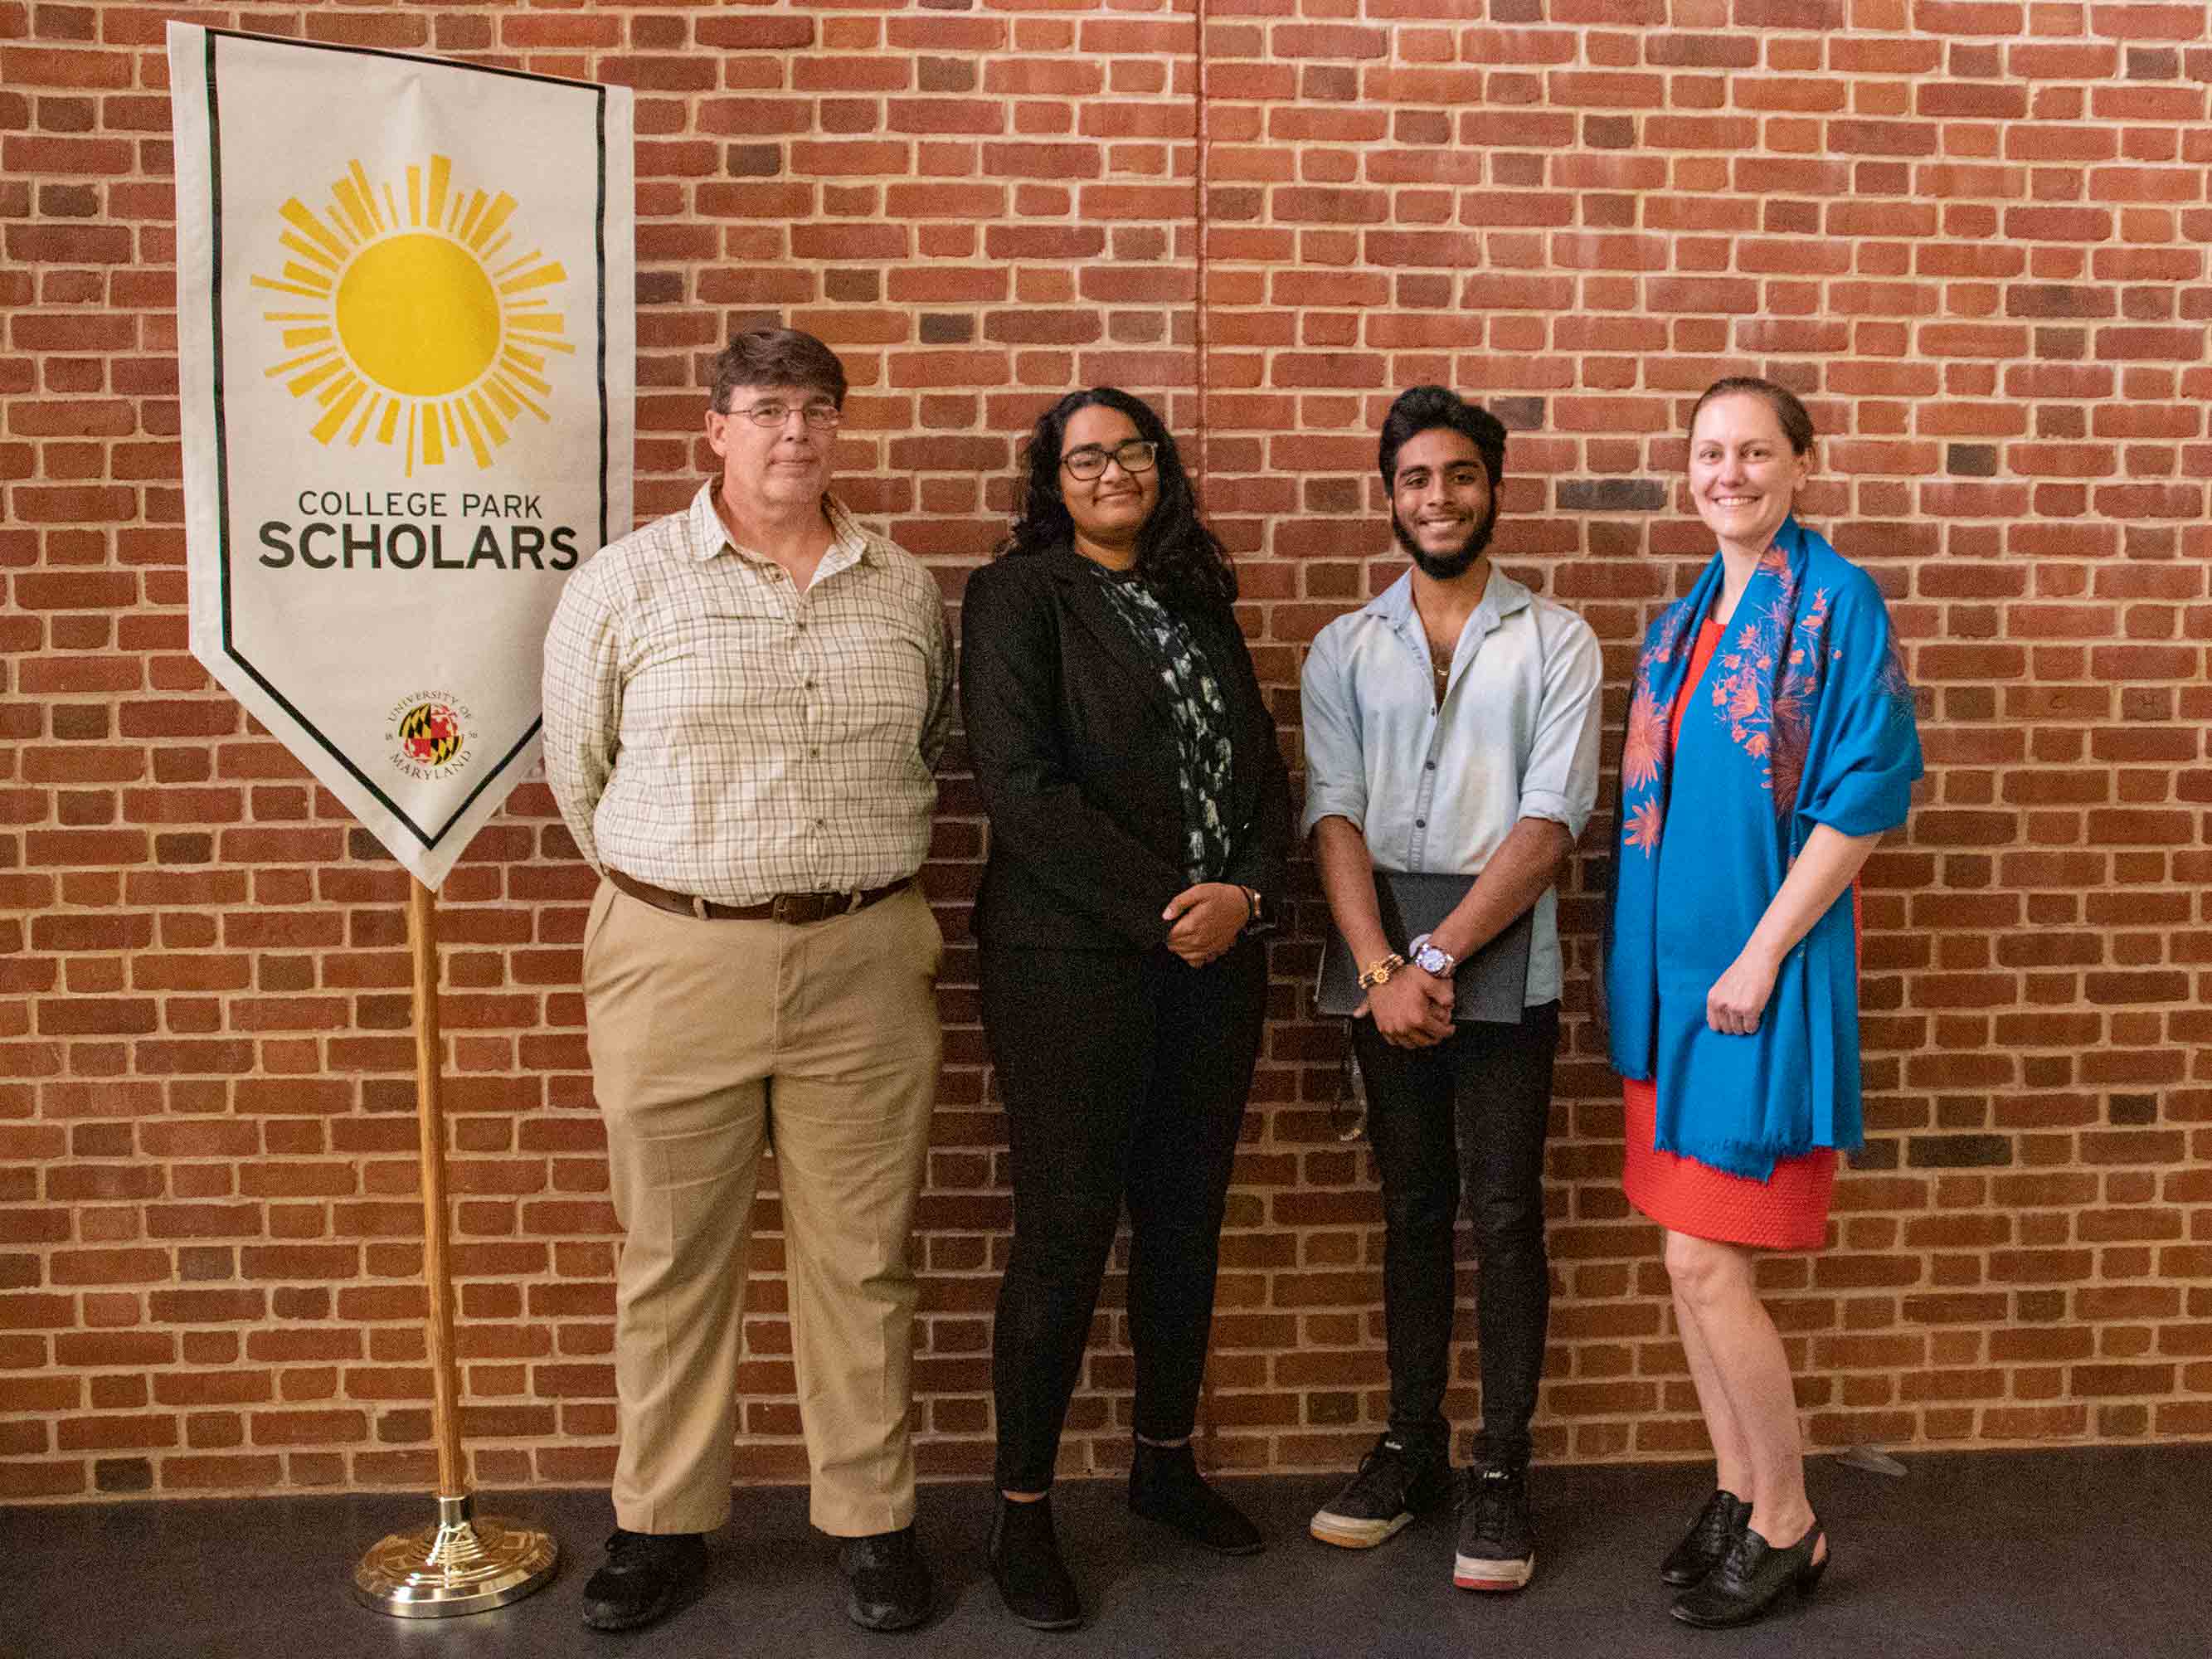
710,728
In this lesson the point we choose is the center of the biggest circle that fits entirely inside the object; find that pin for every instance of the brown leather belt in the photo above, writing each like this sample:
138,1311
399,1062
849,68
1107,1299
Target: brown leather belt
794,907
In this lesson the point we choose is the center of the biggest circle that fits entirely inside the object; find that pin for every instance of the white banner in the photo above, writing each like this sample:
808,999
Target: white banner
406,339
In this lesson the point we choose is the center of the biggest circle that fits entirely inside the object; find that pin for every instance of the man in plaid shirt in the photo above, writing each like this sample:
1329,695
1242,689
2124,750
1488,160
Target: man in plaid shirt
745,702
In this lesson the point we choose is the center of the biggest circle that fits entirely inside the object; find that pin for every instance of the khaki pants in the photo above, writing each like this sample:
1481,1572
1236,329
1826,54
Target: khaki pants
710,1042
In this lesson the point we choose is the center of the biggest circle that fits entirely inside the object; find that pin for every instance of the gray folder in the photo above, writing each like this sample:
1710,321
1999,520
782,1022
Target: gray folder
1490,986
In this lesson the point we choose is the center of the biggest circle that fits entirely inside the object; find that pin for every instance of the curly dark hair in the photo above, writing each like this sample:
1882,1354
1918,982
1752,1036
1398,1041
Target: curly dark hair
1177,556
1423,409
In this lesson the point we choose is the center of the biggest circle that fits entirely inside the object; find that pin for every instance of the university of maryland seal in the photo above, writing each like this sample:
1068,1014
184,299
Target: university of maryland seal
432,735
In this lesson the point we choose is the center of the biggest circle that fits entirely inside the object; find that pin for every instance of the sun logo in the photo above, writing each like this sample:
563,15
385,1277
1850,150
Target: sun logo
422,328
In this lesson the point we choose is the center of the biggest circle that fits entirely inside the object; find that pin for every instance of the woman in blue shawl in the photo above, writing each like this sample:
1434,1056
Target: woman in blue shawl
1770,742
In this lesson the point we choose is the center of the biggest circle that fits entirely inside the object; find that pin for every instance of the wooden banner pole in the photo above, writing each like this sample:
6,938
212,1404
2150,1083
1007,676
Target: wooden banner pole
430,1123
466,1562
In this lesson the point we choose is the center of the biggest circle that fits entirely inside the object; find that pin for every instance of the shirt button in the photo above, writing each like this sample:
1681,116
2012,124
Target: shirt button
810,684
1429,767
1420,824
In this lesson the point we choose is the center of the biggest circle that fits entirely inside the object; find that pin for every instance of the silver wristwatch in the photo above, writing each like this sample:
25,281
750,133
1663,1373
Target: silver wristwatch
1431,958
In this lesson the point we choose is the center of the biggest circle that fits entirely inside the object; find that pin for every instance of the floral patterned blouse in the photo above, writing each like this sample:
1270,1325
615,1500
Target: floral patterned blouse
1201,719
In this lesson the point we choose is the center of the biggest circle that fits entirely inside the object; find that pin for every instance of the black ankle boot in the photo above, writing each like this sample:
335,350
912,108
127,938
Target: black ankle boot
1025,1562
1165,1486
1750,1579
1707,1540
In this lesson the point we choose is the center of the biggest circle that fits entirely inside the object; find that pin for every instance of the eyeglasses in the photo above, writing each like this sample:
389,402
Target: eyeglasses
822,416
1090,461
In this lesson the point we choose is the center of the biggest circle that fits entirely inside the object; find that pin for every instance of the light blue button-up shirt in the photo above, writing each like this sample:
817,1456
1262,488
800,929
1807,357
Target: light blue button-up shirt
1439,788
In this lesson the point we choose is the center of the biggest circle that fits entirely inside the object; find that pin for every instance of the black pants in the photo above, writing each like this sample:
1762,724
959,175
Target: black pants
1125,1076
1473,1111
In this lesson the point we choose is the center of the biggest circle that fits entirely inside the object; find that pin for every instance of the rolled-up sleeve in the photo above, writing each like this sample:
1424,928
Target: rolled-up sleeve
1560,783
1336,769
582,705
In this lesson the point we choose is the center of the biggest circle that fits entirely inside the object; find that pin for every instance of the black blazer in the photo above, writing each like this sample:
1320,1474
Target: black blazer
1072,736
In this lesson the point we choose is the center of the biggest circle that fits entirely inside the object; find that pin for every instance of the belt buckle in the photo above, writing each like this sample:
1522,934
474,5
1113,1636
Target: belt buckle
804,908
799,909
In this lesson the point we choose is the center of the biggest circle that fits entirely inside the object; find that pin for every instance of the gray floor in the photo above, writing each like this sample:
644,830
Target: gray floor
2092,1551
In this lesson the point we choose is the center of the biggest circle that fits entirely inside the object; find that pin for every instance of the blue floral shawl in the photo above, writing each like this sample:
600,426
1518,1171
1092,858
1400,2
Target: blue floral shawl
1803,717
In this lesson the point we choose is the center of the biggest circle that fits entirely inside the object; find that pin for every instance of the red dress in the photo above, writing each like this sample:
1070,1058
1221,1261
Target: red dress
1788,1211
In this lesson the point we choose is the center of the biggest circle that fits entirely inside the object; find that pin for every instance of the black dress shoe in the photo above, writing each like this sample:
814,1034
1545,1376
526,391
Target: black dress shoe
647,1577
887,1580
1025,1563
1750,1579
1165,1486
1707,1540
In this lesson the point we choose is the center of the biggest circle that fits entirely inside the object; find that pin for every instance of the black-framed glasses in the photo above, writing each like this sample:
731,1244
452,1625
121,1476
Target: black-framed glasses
1090,461
823,416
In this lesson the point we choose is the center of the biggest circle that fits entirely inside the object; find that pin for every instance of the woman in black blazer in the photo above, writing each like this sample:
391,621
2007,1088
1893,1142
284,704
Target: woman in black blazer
1140,831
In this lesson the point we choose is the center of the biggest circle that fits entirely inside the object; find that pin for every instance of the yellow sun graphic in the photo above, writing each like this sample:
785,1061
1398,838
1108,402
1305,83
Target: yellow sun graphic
422,328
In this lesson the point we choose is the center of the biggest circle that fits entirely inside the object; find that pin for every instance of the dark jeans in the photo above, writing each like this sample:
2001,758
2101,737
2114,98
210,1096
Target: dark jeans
1473,1111
1125,1077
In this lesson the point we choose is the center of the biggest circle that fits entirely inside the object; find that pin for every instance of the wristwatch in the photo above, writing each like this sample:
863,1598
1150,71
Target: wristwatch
1431,958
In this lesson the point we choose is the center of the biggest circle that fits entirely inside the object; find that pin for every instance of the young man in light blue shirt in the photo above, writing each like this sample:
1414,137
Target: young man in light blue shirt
1451,726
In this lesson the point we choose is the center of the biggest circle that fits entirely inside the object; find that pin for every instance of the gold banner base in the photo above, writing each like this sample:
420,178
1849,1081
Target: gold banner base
463,1564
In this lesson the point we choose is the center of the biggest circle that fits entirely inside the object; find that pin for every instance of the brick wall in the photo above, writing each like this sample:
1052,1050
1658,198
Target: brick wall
1973,232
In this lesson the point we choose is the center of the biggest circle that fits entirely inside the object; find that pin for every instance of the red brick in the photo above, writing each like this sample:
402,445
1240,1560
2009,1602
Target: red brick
239,1474
34,66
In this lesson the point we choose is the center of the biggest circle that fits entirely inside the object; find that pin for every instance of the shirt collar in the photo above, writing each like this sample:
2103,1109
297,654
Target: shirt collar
710,536
1501,597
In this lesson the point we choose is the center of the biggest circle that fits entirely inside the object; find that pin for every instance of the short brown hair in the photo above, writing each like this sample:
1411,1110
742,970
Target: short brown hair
776,356
1788,408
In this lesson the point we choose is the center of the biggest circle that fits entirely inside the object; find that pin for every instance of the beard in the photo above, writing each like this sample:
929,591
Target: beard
1448,567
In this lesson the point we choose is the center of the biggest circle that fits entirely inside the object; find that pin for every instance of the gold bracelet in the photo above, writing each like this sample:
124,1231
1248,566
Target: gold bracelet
1378,973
